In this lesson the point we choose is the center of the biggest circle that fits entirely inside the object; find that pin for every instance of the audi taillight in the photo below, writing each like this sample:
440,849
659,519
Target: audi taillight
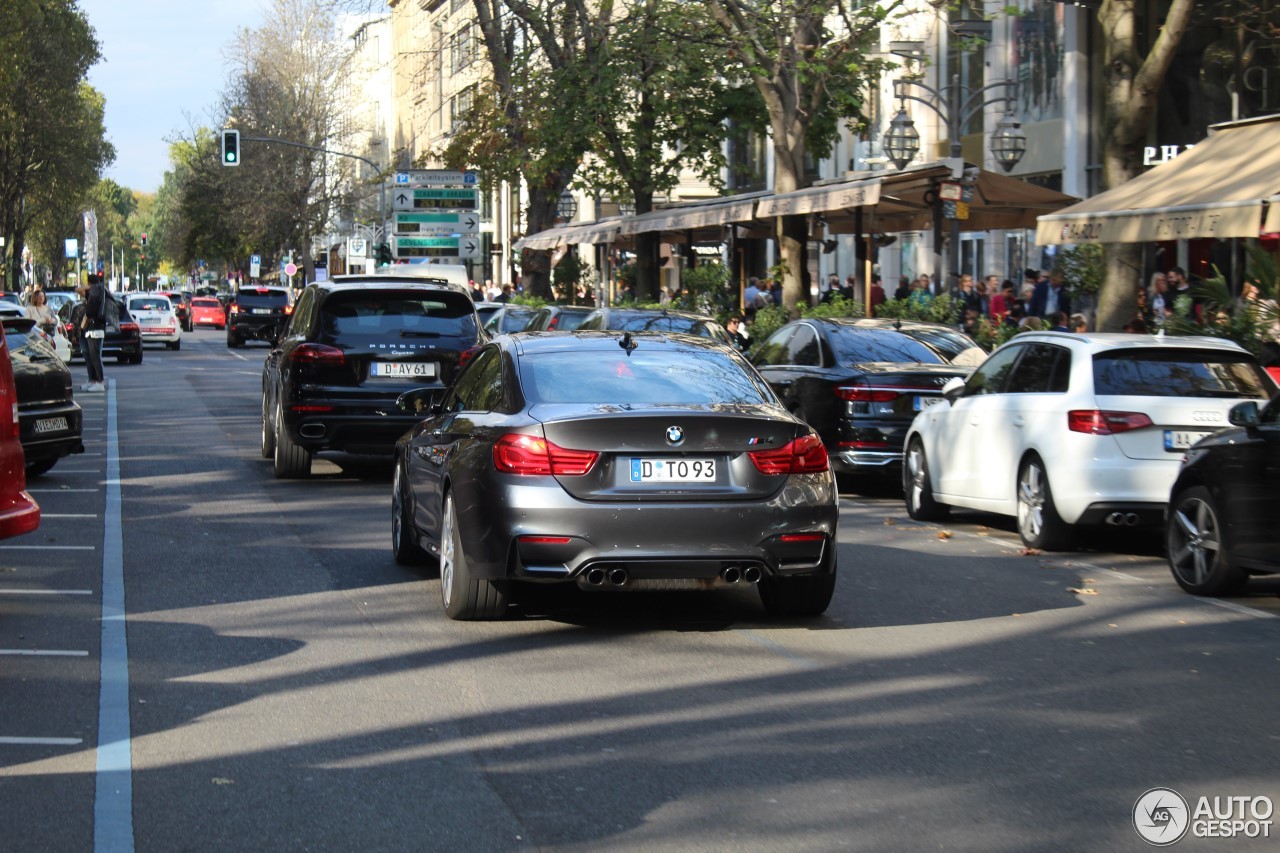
517,453
863,394
804,455
1098,422
129,327
318,354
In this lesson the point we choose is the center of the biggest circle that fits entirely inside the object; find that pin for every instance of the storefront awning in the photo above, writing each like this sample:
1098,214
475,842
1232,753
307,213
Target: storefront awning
1216,189
692,216
890,201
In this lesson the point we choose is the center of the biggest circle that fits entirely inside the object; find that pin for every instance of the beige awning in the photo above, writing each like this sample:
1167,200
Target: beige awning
890,201
838,196
1272,225
692,216
1216,189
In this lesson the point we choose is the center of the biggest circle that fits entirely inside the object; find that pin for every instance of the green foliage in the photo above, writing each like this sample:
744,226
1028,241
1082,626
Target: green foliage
768,320
1083,267
530,301
838,306
936,309
1250,322
571,273
707,289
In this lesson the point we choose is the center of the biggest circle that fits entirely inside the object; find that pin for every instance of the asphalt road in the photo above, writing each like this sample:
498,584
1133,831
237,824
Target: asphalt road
289,687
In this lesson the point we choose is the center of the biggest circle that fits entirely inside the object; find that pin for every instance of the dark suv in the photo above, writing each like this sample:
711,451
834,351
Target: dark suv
353,345
256,313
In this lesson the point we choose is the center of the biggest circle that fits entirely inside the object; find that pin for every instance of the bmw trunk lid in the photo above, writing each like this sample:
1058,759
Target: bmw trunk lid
669,452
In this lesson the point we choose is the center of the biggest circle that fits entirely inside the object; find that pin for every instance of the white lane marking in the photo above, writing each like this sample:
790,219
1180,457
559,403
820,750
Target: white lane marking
47,515
46,592
55,653
41,741
113,785
62,491
47,548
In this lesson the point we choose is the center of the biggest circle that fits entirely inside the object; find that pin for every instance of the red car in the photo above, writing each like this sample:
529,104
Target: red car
207,311
18,512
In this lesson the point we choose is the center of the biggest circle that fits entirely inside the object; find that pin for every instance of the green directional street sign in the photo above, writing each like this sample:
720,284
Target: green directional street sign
408,222
435,247
432,198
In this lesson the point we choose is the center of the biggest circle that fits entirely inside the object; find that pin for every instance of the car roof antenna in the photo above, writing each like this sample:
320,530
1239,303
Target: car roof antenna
628,343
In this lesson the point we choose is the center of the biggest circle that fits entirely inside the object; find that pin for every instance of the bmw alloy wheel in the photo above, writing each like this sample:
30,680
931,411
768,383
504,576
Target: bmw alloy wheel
447,554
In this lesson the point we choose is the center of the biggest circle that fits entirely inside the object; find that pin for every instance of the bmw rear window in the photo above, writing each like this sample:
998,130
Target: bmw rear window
658,377
665,323
425,314
1178,373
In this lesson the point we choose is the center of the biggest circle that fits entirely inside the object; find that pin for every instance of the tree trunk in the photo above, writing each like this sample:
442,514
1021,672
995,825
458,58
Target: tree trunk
1133,84
535,264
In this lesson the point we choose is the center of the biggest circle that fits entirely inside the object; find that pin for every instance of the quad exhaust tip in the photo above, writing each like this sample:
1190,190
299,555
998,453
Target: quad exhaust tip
736,574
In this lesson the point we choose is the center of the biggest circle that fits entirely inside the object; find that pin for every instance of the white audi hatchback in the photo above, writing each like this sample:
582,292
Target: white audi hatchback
1060,429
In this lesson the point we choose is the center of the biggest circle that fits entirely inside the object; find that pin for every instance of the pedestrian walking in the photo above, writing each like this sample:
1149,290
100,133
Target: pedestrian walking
93,328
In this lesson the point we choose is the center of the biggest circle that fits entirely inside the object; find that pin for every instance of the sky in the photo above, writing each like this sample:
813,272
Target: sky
162,71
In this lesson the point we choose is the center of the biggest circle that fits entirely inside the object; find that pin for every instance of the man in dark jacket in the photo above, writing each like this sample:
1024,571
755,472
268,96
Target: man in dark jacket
93,328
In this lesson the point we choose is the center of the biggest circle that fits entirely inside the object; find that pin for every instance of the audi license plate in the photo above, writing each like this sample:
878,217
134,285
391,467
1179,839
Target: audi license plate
1181,439
922,403
51,425
403,369
673,470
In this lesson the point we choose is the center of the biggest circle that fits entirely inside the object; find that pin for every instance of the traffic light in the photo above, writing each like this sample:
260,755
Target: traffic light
383,254
230,147
144,241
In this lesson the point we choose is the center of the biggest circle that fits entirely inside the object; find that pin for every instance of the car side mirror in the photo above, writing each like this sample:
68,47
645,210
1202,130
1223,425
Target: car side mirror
953,388
1244,414
421,401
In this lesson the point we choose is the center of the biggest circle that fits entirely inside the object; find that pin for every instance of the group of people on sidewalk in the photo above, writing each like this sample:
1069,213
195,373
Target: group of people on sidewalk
88,324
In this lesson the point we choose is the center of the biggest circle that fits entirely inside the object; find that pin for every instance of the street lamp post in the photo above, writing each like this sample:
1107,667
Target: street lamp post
956,104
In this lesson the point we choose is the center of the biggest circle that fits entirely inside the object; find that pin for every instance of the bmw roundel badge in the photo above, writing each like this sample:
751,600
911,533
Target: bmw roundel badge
675,435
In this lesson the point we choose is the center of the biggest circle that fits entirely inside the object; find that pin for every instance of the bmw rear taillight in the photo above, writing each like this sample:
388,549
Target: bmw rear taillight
863,394
517,453
804,455
1098,422
318,354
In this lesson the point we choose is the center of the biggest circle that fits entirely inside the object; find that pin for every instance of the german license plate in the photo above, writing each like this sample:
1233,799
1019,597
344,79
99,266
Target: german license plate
260,311
922,403
673,470
1179,439
51,425
403,369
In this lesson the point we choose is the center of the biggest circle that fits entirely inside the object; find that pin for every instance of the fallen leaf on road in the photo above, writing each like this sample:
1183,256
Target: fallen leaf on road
945,534
891,521
1030,552
1087,590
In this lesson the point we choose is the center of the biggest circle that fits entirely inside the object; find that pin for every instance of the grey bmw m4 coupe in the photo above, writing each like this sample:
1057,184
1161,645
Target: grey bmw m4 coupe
613,461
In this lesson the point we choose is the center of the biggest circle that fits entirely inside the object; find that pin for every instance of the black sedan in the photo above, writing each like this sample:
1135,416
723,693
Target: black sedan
613,461
49,420
860,385
353,345
1224,505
